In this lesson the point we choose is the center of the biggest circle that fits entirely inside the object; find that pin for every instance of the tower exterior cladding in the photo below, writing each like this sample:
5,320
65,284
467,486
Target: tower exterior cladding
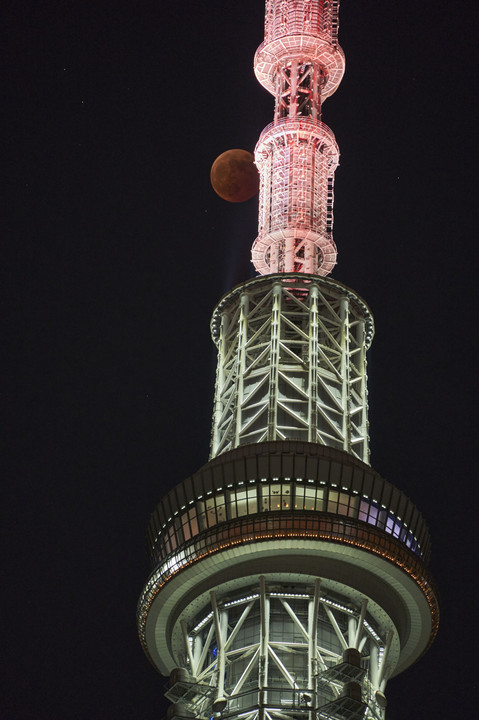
289,579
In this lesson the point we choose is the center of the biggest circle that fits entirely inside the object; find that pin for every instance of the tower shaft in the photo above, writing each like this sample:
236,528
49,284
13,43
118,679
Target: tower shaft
292,364
301,64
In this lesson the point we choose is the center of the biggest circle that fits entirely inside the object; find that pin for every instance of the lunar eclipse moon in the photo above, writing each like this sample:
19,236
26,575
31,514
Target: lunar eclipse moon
234,176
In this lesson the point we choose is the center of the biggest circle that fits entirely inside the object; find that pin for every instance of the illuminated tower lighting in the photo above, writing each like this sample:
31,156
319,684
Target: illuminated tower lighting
289,579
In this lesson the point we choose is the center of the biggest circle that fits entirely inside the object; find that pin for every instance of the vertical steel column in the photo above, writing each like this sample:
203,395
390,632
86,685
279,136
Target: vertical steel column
352,630
220,381
317,82
186,640
241,366
264,645
274,363
345,370
363,390
374,666
197,652
293,89
382,677
313,669
313,365
220,701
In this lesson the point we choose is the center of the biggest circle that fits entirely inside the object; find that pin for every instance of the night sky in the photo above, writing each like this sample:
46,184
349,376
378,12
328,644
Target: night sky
116,250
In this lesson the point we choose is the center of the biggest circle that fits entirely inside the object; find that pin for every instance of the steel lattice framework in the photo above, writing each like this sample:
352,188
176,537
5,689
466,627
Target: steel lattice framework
289,580
301,64
308,647
292,364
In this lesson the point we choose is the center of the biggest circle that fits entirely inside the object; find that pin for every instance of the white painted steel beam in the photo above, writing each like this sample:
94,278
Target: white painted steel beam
291,365
279,675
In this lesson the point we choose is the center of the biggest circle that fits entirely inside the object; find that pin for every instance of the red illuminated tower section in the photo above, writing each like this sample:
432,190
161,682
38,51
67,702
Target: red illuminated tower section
289,579
301,64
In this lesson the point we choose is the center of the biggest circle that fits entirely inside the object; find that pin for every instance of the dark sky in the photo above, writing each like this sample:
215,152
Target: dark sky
116,250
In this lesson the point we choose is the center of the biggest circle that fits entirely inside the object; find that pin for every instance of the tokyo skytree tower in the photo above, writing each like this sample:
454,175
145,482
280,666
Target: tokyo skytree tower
289,580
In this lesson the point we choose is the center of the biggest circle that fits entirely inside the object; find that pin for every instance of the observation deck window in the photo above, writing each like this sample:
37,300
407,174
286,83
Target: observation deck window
309,498
272,495
242,502
211,512
276,497
189,524
342,503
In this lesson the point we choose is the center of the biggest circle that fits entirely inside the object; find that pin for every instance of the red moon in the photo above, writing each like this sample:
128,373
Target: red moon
234,176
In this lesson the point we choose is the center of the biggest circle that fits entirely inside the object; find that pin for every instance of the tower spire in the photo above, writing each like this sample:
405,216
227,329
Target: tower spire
301,64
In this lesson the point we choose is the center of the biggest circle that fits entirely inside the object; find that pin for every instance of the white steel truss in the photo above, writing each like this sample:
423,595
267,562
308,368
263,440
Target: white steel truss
281,653
291,365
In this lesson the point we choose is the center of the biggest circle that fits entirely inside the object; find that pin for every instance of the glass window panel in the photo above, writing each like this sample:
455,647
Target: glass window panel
220,508
333,501
185,526
276,497
382,518
286,496
305,498
172,538
252,500
343,505
299,498
193,521
266,499
211,512
242,502
390,524
232,505
320,499
353,505
372,514
363,511
310,498
200,506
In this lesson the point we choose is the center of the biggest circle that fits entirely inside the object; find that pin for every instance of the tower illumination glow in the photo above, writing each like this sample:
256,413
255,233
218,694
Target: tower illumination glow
289,579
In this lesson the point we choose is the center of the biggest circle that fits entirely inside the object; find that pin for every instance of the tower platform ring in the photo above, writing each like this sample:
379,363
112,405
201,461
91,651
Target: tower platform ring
300,280
355,570
271,56
304,129
333,544
264,244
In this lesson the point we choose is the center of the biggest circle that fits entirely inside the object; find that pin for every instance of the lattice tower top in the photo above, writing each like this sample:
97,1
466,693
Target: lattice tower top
301,64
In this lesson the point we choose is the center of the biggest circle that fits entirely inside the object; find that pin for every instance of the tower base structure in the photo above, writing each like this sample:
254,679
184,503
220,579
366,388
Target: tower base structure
289,581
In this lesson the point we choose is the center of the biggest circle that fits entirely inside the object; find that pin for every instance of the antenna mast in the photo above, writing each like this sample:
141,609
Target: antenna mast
301,64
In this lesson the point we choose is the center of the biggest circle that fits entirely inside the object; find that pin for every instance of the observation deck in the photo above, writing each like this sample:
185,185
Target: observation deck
270,506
